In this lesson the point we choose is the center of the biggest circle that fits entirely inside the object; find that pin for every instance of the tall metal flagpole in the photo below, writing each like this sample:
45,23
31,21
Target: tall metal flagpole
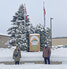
44,17
44,12
51,30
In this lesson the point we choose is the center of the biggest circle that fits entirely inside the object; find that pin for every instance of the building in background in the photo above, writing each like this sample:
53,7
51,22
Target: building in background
59,41
3,40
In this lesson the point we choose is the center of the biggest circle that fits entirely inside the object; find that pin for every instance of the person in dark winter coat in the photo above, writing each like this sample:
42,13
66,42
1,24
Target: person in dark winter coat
46,54
17,55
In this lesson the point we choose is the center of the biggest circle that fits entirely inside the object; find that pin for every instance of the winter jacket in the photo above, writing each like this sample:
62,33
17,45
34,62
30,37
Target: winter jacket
17,55
46,52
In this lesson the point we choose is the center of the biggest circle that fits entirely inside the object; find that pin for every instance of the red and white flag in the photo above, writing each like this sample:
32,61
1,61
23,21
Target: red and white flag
44,11
26,17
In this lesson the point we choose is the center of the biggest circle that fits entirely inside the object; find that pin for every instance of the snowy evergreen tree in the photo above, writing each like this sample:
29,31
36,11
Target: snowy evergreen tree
44,35
32,29
19,32
41,30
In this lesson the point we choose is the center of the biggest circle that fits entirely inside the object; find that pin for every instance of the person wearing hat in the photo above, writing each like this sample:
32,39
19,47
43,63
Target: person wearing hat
46,53
17,55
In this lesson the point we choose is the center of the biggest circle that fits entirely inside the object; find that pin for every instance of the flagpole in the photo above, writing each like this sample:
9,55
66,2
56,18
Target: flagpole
51,30
44,12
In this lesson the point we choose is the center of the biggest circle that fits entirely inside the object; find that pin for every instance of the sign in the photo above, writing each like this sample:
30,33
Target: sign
34,42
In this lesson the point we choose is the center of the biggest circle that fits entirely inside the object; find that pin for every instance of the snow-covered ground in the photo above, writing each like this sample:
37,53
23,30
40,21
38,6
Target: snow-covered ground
33,66
58,54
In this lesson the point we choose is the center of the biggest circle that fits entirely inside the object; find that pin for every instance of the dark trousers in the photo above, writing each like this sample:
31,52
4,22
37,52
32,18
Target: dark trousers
16,62
47,59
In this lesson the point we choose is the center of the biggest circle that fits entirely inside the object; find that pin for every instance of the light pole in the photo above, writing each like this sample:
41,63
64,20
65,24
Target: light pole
51,30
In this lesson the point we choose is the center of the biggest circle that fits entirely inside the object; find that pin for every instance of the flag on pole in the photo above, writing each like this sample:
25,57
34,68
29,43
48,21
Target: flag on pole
44,12
26,14
26,17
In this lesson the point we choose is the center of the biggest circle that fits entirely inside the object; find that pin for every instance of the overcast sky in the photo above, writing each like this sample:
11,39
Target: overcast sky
56,9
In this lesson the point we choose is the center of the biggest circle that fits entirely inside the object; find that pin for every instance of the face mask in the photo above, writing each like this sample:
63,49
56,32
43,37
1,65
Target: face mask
45,45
